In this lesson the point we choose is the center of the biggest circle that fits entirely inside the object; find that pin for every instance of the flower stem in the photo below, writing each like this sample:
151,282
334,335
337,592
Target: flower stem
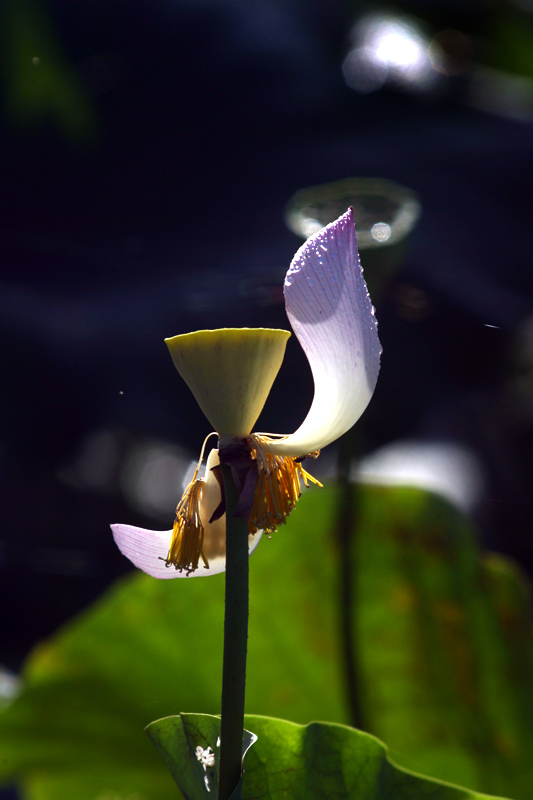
235,643
347,538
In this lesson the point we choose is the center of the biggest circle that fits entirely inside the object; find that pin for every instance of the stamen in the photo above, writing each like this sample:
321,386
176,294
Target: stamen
187,540
278,486
197,470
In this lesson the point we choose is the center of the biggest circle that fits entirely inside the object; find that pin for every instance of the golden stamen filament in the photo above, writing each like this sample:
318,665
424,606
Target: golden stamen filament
277,492
278,486
187,540
186,543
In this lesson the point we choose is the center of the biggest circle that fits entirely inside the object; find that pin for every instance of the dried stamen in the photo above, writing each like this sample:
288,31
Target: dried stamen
186,543
278,485
187,540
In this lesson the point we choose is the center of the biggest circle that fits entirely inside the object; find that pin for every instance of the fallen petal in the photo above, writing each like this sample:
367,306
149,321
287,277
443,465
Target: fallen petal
332,316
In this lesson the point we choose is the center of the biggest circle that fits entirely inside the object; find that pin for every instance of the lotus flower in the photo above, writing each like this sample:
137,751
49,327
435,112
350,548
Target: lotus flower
231,372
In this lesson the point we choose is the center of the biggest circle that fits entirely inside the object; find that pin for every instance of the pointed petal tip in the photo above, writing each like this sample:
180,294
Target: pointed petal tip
146,549
343,220
341,231
331,313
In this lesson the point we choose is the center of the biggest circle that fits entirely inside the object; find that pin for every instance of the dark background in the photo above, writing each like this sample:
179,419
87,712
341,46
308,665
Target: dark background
148,152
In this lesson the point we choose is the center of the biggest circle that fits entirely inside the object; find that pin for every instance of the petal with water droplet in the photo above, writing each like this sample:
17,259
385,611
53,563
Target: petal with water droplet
332,316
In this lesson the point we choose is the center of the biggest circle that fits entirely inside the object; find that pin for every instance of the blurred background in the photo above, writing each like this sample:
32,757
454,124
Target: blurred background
151,156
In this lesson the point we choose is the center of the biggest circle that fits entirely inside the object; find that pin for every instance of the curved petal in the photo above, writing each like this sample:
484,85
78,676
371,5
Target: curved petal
148,551
332,316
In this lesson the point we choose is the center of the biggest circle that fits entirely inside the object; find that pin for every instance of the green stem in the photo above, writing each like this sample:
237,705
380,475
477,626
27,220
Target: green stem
347,535
235,643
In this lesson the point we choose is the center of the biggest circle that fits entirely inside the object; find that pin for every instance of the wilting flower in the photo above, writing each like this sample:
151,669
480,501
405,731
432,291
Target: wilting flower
231,372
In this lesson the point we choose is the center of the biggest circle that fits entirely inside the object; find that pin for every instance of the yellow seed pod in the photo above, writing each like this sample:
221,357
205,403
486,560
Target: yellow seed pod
230,371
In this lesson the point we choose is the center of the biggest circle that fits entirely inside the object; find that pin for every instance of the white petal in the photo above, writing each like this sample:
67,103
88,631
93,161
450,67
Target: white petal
148,551
332,316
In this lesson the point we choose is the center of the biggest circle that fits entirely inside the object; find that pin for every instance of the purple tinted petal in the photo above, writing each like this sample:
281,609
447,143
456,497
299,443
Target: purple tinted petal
148,550
332,316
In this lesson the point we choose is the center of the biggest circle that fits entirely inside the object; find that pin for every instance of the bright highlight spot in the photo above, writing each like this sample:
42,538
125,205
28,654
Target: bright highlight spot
389,49
380,231
310,226
399,48
450,470
152,475
10,687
